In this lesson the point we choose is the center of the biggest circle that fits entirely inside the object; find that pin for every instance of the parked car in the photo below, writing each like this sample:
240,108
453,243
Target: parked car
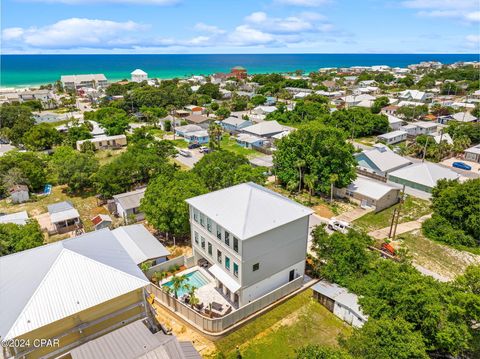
185,153
461,165
204,149
340,226
193,145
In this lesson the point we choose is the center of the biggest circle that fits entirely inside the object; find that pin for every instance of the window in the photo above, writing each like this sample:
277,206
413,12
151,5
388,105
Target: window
256,267
235,269
235,244
195,215
227,238
196,237
209,224
219,232
227,263
202,219
219,256
209,248
202,240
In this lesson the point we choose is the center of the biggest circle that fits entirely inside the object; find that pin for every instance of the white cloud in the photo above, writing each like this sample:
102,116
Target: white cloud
75,32
244,35
91,2
304,3
293,24
212,29
459,9
473,39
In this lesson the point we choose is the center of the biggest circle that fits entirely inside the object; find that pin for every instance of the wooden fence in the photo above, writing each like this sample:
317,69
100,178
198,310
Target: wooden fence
218,325
164,266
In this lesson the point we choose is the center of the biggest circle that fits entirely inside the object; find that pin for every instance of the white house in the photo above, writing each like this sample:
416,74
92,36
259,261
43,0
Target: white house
415,95
393,137
104,142
128,204
19,193
473,154
426,128
72,82
20,218
266,129
139,76
380,161
254,239
394,122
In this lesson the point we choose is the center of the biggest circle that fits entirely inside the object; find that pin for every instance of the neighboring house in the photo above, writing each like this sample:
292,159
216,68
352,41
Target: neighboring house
139,76
410,129
20,218
195,110
254,239
135,341
380,161
393,137
73,290
101,221
415,95
183,130
200,120
340,302
72,82
247,141
19,193
104,142
473,154
395,122
46,97
128,205
140,244
271,101
64,217
426,128
266,129
355,100
264,110
390,110
199,137
235,123
370,193
459,117
5,147
442,137
422,176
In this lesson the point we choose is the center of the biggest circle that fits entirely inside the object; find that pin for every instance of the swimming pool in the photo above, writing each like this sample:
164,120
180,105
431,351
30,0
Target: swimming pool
195,278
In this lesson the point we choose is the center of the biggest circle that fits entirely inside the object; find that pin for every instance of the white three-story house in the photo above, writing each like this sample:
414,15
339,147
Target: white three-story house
254,240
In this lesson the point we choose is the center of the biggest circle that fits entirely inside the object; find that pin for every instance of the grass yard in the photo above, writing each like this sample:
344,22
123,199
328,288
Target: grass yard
230,144
180,142
412,209
289,326
86,206
439,258
367,141
106,156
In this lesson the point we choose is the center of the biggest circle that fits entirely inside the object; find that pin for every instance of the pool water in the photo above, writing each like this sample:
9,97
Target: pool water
195,278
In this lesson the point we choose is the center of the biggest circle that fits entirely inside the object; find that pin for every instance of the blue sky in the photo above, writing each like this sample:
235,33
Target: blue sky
240,26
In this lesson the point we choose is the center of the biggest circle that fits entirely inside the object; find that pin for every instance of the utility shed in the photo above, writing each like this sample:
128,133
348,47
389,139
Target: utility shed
340,302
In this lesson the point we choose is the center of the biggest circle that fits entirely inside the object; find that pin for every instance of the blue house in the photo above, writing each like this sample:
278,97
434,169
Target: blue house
200,137
235,123
271,101
248,141
183,130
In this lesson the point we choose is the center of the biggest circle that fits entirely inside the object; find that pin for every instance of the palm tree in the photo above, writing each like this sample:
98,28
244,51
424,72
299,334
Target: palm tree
193,299
310,181
178,282
300,164
157,277
215,132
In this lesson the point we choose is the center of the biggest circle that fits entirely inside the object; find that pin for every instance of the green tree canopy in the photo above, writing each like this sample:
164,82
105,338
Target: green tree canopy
211,90
221,169
15,238
41,137
324,152
30,166
164,202
15,121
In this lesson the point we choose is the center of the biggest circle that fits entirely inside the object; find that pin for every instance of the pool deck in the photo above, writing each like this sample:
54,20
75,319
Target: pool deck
207,293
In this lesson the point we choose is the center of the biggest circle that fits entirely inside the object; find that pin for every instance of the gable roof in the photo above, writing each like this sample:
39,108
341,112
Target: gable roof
139,243
370,188
197,118
234,121
20,218
248,209
129,200
57,280
266,128
385,159
426,173
62,211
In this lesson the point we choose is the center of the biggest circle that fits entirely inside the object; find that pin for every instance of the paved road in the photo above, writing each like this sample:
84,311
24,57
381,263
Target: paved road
189,161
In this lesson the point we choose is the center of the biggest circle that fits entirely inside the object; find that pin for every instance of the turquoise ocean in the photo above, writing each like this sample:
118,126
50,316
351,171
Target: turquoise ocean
29,70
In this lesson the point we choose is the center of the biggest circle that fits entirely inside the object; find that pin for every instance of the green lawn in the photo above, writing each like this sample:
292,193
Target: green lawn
180,142
289,326
106,156
412,209
230,144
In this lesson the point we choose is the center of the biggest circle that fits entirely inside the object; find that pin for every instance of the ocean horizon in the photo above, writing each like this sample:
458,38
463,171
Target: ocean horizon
34,70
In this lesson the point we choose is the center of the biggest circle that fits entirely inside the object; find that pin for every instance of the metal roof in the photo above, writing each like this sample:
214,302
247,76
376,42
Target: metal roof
248,209
370,188
15,218
426,173
135,340
340,295
266,128
129,200
139,243
385,159
47,283
62,211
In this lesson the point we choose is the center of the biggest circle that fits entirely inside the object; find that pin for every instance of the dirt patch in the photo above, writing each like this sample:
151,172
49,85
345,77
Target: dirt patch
323,211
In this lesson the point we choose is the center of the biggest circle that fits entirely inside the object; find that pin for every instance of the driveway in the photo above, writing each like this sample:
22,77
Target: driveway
473,173
189,161
354,214
401,228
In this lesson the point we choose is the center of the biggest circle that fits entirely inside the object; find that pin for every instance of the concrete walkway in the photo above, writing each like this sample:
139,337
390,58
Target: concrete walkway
401,228
354,214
